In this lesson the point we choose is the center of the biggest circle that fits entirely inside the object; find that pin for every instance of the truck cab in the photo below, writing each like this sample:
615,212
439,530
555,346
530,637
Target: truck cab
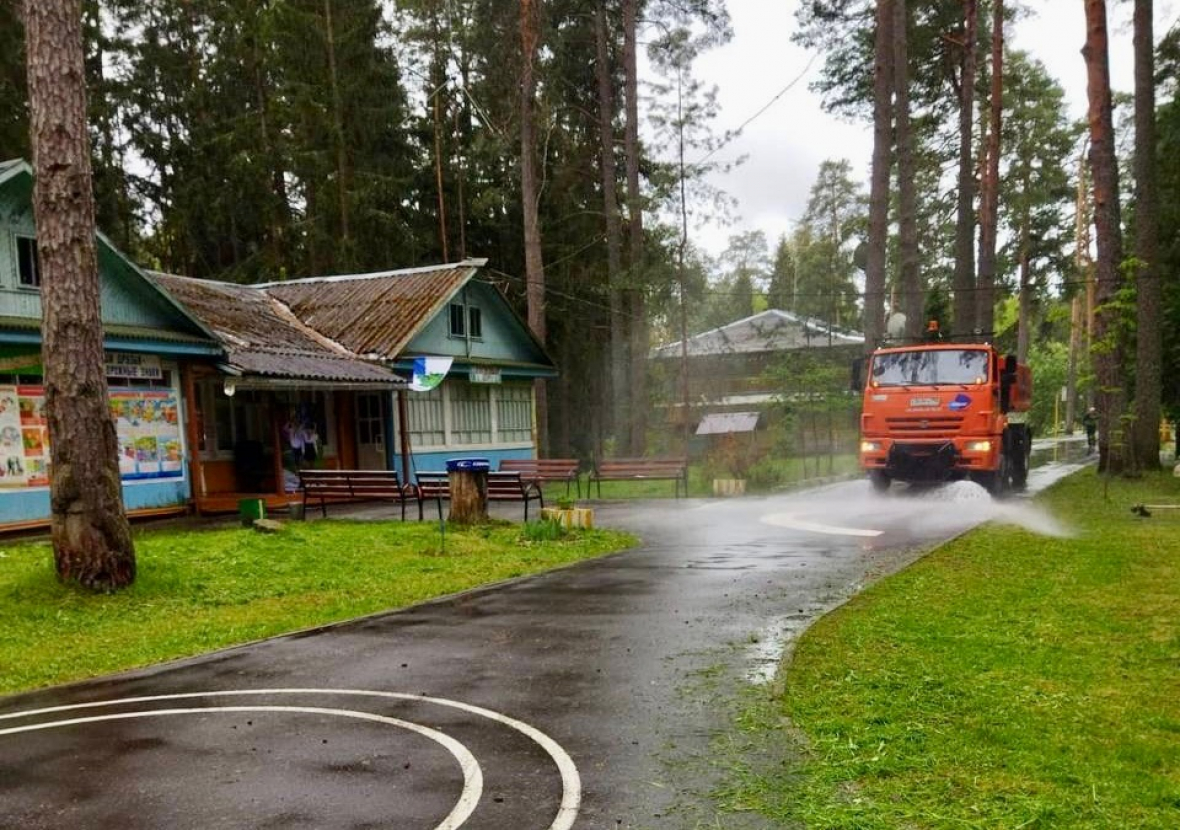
940,412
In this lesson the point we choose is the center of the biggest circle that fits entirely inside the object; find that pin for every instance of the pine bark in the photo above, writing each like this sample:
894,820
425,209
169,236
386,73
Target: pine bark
879,182
1107,347
964,277
91,537
618,372
343,175
534,265
989,199
637,309
1149,289
469,497
909,266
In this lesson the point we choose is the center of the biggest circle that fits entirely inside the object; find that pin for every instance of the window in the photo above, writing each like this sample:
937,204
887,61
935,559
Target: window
458,329
427,419
28,262
514,411
466,321
471,411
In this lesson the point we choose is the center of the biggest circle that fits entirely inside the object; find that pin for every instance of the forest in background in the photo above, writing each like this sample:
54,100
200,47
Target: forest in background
252,140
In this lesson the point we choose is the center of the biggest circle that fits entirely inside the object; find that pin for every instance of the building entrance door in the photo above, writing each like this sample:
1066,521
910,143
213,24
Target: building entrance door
370,431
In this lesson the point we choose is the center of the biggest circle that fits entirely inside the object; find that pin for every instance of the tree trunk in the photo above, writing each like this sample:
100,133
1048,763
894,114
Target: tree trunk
964,278
1149,290
1024,321
1107,345
91,537
909,266
618,372
534,265
1071,377
342,172
879,185
990,190
469,497
635,276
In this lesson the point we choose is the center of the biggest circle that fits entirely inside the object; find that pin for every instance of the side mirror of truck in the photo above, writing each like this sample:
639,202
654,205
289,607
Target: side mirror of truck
1010,364
856,382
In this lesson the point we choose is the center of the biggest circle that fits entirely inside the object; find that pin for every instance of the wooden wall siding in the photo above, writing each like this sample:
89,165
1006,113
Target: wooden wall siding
504,337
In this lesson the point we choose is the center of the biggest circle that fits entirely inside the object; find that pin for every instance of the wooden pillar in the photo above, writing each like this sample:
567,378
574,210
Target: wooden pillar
403,432
277,443
192,430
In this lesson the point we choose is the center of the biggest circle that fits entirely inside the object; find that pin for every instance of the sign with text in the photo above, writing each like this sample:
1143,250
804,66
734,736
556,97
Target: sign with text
133,366
484,374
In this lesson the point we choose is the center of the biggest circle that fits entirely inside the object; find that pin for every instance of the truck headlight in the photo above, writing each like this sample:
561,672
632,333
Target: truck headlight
870,446
978,446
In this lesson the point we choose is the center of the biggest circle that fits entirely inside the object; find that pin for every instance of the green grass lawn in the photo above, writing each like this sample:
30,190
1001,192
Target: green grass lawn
1007,680
202,590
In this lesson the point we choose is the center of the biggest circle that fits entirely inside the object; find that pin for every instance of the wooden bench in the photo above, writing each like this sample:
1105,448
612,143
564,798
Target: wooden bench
351,485
502,486
540,470
641,469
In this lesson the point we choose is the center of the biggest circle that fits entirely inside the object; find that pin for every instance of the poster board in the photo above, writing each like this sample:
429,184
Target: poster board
147,423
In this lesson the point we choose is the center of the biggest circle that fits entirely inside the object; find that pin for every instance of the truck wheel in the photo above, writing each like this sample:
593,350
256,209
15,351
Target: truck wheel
879,480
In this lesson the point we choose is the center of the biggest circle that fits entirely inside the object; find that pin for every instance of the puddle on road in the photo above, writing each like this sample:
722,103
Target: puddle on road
943,508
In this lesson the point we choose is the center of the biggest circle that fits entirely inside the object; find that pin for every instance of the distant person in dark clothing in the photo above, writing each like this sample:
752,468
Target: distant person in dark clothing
1090,423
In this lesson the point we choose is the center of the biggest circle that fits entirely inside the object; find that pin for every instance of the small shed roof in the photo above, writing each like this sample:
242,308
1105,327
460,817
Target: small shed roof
769,331
722,423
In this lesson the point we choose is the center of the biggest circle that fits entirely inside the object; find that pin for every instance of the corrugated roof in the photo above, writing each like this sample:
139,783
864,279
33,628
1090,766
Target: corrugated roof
261,336
769,331
722,423
374,314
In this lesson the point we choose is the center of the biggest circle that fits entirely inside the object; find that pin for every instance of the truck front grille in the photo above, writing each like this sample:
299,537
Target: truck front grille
923,426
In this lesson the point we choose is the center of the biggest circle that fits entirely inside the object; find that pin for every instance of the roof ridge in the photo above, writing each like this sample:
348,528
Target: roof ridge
470,262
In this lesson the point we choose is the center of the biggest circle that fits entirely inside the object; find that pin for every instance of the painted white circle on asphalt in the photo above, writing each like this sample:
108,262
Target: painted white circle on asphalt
472,774
794,523
571,782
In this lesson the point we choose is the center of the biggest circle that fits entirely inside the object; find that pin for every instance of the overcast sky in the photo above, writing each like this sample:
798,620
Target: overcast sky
785,145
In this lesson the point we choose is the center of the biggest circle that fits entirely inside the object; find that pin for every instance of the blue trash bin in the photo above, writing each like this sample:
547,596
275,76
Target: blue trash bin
471,465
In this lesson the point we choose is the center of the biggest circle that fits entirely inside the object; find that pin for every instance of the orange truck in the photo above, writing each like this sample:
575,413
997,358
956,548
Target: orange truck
939,412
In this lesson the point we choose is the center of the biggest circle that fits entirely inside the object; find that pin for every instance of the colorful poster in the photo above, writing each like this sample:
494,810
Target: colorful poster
12,448
146,421
148,424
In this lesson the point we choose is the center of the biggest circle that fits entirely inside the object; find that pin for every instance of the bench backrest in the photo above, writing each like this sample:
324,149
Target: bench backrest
553,469
433,485
505,485
351,483
642,466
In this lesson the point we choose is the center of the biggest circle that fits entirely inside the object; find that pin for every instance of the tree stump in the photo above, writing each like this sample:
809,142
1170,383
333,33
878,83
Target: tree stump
469,496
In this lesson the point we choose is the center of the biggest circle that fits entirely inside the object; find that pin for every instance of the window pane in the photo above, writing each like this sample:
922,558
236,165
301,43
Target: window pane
476,320
457,329
515,413
471,413
26,250
425,415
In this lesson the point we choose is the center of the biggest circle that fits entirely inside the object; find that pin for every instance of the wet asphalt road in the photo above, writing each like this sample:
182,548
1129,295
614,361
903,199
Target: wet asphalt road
583,698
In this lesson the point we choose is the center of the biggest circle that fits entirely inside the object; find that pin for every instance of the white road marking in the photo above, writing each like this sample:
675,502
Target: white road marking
571,782
472,774
788,520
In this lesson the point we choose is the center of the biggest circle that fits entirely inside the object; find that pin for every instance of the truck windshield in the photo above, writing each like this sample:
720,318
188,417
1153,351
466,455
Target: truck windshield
929,367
